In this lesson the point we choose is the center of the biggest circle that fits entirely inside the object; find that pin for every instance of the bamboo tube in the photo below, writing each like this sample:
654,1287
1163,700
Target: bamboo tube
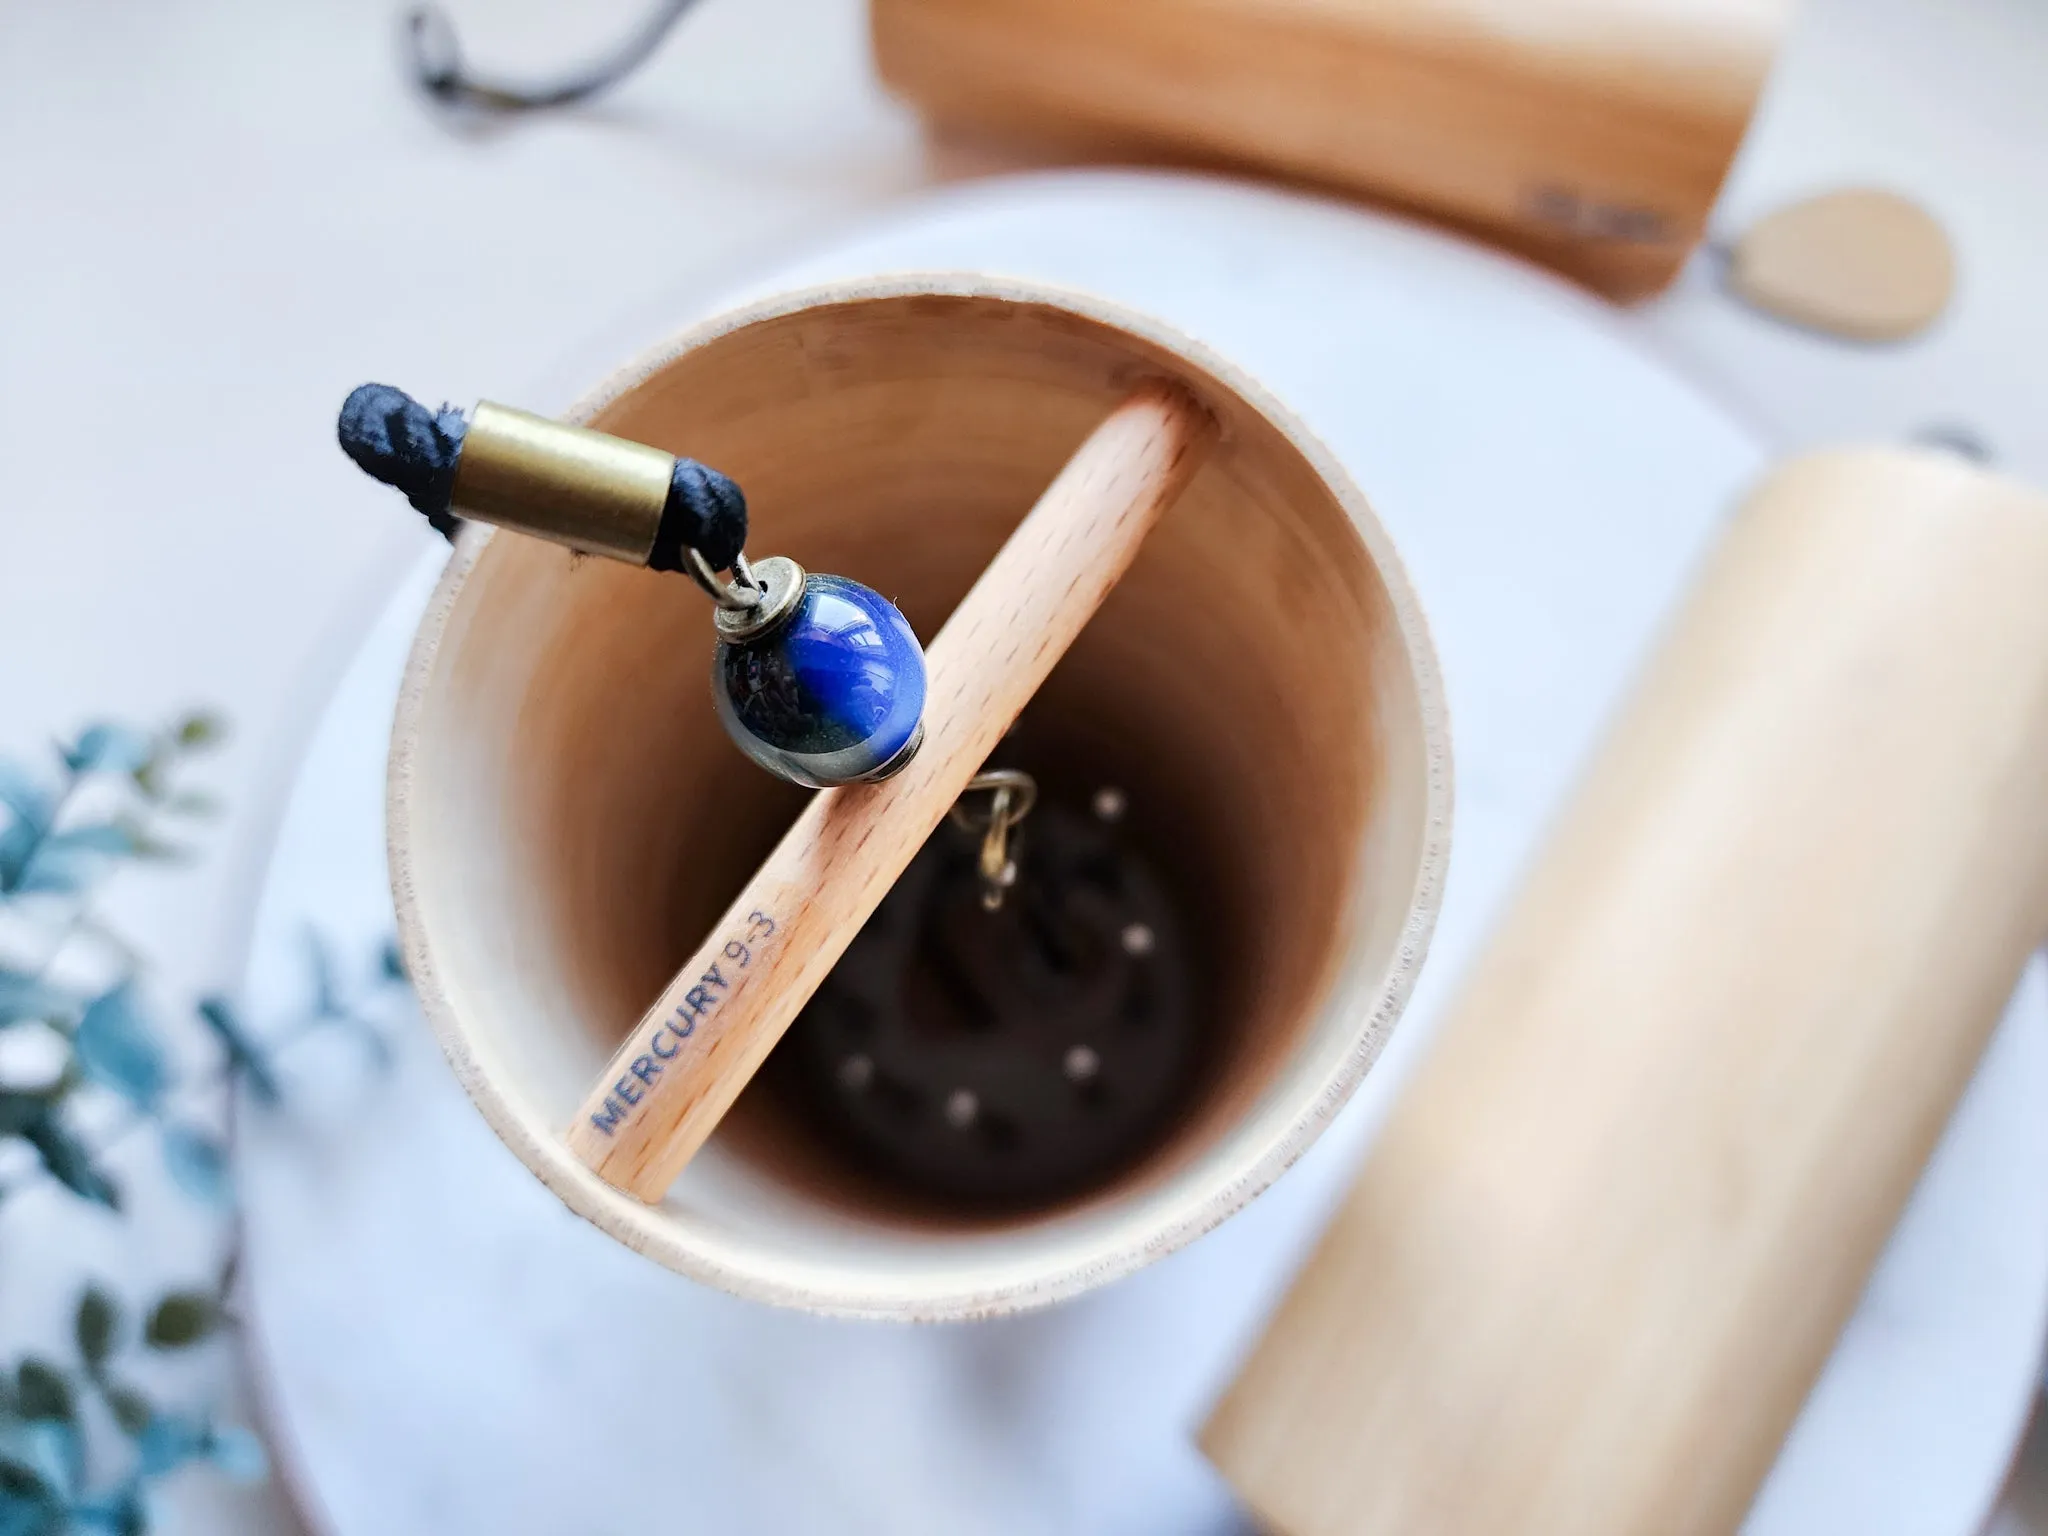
687,1059
567,823
1611,1231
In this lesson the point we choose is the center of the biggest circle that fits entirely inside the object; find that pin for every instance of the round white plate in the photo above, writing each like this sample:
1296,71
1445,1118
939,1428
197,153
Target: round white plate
449,1349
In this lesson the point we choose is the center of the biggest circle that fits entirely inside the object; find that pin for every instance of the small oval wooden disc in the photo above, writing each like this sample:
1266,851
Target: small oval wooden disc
1863,263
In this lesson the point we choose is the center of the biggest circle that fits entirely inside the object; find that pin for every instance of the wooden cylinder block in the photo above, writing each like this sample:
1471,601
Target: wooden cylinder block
1592,134
568,821
1616,1221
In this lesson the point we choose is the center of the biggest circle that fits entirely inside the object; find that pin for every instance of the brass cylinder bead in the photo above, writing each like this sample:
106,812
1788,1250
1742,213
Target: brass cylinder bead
568,484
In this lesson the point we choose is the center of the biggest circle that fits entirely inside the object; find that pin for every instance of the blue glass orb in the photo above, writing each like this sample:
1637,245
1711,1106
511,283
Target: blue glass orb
831,695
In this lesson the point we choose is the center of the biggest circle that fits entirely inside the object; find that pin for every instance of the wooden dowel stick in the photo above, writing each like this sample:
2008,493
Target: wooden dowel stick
689,1056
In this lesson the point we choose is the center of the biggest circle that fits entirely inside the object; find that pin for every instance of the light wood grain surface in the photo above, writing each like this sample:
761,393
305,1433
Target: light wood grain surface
679,1071
1613,1227
1593,134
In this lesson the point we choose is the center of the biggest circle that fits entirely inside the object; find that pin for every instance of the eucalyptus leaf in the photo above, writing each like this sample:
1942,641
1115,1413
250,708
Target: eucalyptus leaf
63,1447
78,852
374,1042
57,874
73,860
167,1442
27,797
112,838
41,1391
19,1111
17,846
26,1508
198,1164
237,1453
327,1000
245,1057
131,1410
45,1456
58,871
104,745
148,778
181,1320
118,1514
22,1108
199,729
68,1161
23,996
115,1047
97,1323
160,850
32,807
392,961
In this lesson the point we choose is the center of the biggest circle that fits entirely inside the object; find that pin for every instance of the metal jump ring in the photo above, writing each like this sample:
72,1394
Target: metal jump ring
1015,793
740,595
1022,797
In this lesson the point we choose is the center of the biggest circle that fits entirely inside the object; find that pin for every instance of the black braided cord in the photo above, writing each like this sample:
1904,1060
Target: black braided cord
394,438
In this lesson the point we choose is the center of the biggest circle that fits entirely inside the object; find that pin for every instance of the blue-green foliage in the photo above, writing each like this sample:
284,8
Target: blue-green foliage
117,1049
106,800
198,1163
244,1057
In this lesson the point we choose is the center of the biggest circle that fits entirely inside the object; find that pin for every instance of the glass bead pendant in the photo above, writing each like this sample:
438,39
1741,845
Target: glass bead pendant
822,682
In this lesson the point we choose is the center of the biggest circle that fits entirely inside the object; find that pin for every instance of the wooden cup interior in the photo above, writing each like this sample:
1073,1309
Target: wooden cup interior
573,819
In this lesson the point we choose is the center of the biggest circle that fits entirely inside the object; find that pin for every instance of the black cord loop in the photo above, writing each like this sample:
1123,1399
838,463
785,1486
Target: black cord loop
438,68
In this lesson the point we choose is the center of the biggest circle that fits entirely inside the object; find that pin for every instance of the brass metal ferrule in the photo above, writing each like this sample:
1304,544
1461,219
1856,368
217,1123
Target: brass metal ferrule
568,484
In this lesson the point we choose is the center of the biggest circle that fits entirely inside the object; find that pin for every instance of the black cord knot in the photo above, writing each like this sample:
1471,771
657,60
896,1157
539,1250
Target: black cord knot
395,439
706,512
